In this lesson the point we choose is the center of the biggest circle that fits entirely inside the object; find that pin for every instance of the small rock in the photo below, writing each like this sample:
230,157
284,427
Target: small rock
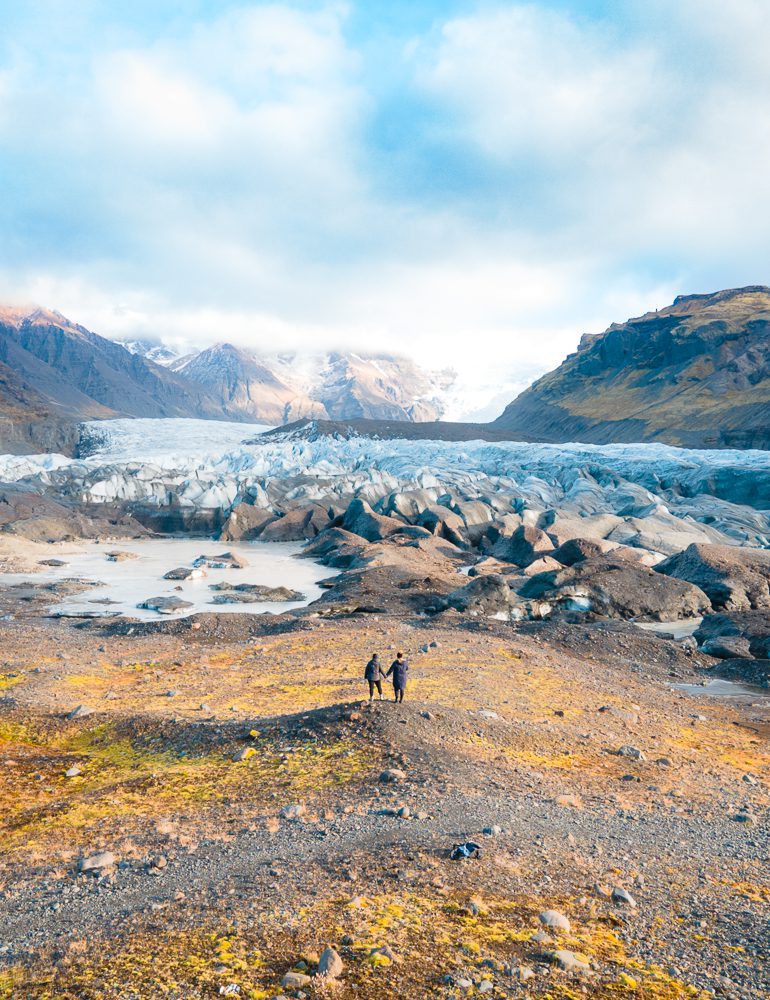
97,864
555,920
570,800
72,772
523,973
330,964
634,753
486,986
744,817
622,896
392,776
80,712
295,980
569,961
293,812
244,754
492,831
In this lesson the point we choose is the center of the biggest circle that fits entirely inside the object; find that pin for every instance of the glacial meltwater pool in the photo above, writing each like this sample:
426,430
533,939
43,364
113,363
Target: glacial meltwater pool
123,584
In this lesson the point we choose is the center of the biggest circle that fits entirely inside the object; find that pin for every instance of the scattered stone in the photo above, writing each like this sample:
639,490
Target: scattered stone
80,712
120,556
555,920
633,753
185,573
569,961
392,776
523,973
97,864
622,896
295,980
72,772
293,812
244,754
165,605
492,831
330,964
385,951
569,800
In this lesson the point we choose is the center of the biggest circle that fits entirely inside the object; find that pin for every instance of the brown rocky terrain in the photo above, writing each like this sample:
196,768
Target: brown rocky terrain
208,805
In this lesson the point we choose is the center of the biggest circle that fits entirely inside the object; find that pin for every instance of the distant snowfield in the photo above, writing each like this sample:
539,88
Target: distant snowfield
209,463
182,440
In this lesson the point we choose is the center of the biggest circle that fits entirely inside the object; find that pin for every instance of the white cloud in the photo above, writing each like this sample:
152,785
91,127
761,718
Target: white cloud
225,182
528,82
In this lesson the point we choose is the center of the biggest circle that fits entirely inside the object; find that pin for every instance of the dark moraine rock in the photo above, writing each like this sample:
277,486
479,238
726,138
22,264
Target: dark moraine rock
617,588
735,579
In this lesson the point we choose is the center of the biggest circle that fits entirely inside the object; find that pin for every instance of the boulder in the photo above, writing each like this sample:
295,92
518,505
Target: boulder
562,528
444,522
297,525
165,605
546,564
330,964
727,647
116,556
578,549
753,626
245,523
361,520
339,548
525,545
503,526
735,579
408,504
614,588
487,594
254,593
185,573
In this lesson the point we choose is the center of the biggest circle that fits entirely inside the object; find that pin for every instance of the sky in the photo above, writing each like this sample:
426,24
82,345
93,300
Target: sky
474,184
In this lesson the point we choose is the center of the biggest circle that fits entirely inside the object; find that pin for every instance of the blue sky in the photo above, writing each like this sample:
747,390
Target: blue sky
472,183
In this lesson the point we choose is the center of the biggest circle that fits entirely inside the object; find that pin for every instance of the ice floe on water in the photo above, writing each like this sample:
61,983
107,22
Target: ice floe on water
118,586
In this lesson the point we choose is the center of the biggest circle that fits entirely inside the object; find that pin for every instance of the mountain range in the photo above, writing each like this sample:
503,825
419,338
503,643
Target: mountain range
695,374
55,373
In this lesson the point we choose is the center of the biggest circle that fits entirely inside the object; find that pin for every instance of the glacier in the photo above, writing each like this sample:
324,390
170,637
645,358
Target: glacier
213,464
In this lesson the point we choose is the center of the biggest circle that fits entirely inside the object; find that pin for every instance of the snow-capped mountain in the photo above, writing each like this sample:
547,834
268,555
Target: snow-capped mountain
279,388
152,350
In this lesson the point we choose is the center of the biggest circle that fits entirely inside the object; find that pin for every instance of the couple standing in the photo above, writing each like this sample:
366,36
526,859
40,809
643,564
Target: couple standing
375,675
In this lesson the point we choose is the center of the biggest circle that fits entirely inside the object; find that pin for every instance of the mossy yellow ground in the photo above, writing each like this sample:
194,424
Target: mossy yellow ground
124,779
428,936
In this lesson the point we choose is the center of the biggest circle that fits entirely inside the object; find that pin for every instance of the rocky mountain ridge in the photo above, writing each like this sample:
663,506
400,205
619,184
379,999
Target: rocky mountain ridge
55,373
281,388
695,374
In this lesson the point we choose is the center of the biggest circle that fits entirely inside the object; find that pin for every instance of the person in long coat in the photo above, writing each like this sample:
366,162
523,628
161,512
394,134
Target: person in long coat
399,668
375,675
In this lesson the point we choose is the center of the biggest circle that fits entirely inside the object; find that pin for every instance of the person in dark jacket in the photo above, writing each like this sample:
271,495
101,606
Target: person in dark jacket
399,668
374,674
